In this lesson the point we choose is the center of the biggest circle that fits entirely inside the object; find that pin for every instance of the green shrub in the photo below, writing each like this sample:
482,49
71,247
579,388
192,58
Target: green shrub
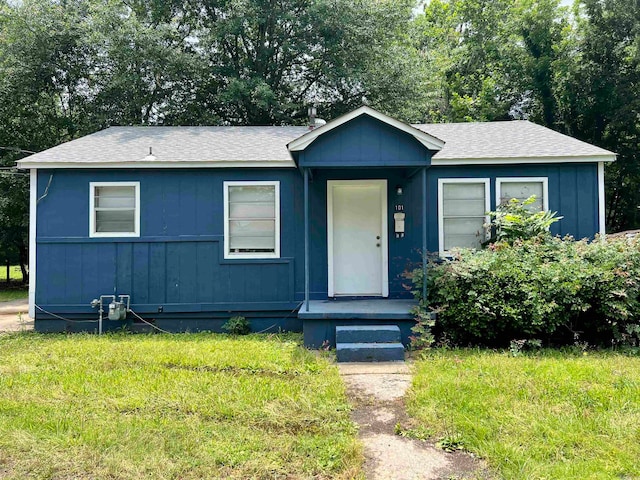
421,335
558,290
237,326
514,220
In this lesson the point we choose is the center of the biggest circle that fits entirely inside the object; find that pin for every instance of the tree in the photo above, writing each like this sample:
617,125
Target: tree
264,61
468,46
14,220
494,59
600,102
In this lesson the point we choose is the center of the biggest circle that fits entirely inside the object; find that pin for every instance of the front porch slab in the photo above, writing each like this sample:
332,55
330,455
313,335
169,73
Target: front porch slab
378,308
320,321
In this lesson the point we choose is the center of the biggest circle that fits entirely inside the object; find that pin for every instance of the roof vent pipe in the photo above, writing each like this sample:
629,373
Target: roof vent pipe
312,117
313,121
151,157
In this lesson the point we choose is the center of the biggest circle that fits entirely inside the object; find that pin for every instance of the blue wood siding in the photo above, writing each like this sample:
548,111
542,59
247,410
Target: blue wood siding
365,141
573,193
178,263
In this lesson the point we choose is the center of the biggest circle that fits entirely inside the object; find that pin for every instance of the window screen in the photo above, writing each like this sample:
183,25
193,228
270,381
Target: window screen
114,209
463,215
521,190
252,217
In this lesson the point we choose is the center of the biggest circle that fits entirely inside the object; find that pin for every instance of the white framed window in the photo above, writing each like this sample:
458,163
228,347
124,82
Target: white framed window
252,219
114,209
522,188
463,204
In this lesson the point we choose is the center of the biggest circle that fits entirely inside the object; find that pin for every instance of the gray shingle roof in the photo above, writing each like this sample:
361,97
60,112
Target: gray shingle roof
267,146
176,144
508,139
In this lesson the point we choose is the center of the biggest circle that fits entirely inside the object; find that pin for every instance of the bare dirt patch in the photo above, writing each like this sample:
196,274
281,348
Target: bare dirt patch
14,316
377,392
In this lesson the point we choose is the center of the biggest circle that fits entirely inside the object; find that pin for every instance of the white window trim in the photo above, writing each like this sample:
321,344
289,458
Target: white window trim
487,205
227,253
543,180
92,218
601,202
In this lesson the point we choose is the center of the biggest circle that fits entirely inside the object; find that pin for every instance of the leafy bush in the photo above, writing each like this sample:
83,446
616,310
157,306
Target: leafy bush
421,335
237,326
557,290
514,220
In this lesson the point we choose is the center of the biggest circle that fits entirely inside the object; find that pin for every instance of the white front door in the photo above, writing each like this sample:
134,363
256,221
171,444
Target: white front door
357,237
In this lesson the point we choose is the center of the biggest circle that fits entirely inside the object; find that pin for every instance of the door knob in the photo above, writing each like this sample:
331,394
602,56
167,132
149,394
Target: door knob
378,237
377,244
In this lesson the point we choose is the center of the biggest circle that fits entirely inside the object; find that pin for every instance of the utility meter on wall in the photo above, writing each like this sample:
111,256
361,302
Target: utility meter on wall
398,219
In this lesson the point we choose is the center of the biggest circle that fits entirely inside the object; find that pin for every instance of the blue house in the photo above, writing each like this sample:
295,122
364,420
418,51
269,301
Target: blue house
287,226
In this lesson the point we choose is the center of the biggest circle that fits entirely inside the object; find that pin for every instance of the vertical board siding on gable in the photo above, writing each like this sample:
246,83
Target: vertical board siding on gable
365,141
587,191
568,189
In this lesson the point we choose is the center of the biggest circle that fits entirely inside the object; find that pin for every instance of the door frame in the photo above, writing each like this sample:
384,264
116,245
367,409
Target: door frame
384,234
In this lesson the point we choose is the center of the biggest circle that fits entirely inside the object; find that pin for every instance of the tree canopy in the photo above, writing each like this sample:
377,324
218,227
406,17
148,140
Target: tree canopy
72,67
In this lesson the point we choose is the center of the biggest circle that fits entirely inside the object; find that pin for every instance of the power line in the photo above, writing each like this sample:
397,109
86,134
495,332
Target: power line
12,171
16,149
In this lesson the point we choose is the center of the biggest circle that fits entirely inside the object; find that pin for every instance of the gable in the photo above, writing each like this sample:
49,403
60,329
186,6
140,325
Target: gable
364,142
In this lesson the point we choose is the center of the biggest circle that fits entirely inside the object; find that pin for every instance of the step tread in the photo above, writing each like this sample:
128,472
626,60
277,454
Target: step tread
370,352
368,334
379,346
341,328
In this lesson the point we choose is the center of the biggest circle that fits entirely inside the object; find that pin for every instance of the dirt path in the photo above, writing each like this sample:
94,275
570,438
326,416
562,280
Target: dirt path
14,316
377,391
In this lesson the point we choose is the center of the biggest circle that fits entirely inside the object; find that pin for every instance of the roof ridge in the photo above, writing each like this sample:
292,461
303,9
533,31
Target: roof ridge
490,122
204,126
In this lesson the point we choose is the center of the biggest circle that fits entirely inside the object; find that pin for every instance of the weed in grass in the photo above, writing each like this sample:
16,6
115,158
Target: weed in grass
516,347
421,337
451,443
237,326
417,433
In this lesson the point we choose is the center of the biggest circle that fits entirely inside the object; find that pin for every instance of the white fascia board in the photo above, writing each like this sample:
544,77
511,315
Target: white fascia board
520,160
429,141
33,202
230,164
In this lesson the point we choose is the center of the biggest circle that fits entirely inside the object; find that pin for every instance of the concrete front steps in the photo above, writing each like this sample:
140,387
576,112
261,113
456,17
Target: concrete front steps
369,343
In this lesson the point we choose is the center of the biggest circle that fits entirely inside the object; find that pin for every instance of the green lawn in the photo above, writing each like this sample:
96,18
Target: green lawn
15,290
545,416
14,273
185,406
13,293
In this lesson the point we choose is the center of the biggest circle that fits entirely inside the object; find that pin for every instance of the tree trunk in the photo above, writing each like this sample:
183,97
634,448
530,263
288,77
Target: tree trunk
8,272
23,252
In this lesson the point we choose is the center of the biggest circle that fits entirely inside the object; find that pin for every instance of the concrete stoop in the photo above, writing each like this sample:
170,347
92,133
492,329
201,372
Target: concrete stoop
369,343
